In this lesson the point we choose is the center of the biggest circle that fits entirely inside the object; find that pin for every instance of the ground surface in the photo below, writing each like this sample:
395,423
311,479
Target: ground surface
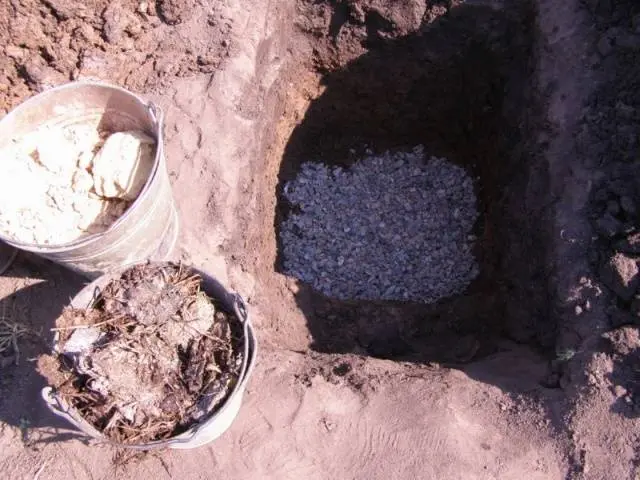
532,374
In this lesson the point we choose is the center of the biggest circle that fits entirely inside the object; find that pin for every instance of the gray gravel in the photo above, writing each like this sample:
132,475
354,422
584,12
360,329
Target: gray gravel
390,227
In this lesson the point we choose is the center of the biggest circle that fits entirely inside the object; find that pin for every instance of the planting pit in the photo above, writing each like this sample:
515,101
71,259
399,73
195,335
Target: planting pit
461,88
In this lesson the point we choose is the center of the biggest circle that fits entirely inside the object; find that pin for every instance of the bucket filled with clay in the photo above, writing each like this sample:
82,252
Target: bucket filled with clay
83,180
156,355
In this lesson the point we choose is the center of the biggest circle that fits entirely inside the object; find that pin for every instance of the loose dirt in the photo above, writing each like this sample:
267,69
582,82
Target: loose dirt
531,372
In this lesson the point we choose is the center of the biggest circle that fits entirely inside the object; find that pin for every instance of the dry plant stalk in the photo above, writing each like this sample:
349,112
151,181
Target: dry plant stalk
11,332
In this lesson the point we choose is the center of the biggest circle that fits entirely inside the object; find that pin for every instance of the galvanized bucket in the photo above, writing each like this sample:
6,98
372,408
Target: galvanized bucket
149,227
220,420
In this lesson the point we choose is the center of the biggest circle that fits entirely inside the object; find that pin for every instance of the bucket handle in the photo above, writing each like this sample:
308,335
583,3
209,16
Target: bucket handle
242,313
57,407
157,115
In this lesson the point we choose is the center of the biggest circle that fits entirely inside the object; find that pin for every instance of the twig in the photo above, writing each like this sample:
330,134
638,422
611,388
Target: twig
99,324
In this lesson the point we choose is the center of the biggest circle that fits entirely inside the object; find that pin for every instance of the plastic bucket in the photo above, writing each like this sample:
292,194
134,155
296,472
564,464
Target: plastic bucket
220,420
149,227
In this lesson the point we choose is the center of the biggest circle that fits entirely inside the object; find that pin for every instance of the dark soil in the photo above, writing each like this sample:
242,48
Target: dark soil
159,359
459,84
609,140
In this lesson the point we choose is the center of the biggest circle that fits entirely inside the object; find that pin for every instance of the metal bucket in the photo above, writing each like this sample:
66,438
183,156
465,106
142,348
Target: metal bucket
149,227
220,420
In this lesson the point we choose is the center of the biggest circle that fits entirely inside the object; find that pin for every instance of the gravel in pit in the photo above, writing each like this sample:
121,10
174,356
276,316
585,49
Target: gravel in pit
394,226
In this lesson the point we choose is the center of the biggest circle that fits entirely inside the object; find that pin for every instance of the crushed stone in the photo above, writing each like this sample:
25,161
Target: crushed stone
58,184
391,227
152,356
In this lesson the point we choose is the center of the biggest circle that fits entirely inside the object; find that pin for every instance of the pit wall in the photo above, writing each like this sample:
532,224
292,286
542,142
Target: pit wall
479,106
463,86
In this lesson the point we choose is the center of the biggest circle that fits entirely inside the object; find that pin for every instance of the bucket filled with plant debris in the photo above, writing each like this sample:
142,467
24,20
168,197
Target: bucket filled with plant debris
155,355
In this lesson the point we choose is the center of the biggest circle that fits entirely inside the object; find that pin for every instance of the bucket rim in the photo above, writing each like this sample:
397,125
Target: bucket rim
158,119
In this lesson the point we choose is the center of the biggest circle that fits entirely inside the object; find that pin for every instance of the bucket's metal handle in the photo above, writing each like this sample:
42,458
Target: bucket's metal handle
58,408
240,308
156,114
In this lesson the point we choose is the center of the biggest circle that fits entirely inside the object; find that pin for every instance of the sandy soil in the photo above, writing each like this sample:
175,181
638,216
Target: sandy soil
511,380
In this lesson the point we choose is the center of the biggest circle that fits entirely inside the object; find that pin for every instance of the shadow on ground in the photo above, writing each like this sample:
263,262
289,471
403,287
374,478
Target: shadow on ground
35,308
462,88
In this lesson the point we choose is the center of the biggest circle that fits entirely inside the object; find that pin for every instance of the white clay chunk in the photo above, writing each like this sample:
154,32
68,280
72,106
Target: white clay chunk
121,167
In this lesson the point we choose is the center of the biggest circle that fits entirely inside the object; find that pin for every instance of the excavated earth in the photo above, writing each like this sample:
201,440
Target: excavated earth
532,372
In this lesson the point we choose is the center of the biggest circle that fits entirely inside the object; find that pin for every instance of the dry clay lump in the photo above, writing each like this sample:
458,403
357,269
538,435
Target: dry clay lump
58,184
121,167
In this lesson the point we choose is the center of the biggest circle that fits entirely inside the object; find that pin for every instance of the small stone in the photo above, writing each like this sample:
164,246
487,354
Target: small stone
620,274
174,12
134,27
619,391
115,23
62,9
208,60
